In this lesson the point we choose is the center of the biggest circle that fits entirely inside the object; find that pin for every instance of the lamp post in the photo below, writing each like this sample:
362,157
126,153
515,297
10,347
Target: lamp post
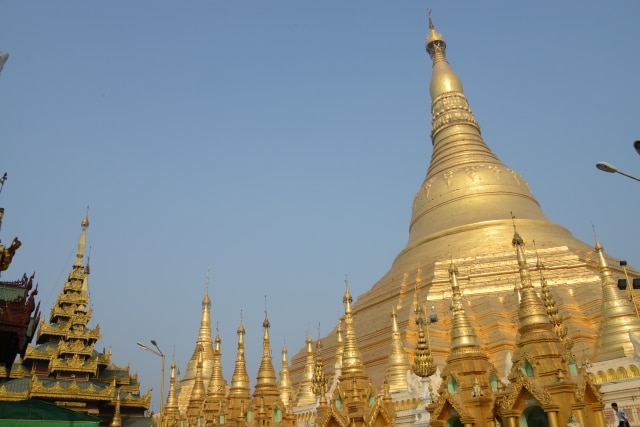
161,354
608,167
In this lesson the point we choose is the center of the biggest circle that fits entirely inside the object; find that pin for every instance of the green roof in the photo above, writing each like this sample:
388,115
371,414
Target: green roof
35,409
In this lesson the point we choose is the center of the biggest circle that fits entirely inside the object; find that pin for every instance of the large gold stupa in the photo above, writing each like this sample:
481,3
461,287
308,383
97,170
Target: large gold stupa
464,213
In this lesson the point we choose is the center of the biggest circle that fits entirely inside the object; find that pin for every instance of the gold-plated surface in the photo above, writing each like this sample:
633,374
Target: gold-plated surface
305,386
240,391
205,342
285,386
462,213
171,415
543,368
398,363
618,317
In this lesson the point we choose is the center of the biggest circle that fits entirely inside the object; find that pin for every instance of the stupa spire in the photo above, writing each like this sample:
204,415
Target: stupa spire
305,388
463,335
266,379
285,386
398,363
239,392
352,365
204,343
116,421
198,393
618,316
215,400
532,312
465,180
240,378
171,412
217,384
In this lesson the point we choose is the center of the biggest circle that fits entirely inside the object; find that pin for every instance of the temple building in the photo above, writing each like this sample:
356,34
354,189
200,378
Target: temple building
63,366
19,312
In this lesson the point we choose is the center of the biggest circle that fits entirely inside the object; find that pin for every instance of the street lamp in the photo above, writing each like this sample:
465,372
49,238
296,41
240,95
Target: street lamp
608,167
161,354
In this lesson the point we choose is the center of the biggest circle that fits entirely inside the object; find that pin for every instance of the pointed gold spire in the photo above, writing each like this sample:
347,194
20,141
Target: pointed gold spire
305,388
463,334
217,384
171,414
266,373
204,342
285,386
198,392
240,379
539,350
82,242
239,391
398,363
532,313
465,181
618,317
352,365
215,401
443,79
117,418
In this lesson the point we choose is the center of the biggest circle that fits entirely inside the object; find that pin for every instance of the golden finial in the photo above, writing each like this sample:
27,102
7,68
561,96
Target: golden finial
436,45
81,243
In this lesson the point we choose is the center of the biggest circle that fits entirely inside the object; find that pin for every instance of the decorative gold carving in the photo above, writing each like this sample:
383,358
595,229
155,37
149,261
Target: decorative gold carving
6,253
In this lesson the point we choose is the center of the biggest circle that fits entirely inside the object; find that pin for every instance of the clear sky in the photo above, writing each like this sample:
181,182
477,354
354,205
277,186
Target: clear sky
280,144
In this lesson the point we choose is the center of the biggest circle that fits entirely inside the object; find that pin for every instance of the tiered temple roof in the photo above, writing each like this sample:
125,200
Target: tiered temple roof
64,367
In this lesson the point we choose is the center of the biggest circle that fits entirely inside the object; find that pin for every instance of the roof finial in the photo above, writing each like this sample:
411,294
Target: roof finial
2,180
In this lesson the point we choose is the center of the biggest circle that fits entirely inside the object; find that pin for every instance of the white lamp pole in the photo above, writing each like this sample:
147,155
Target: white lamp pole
161,354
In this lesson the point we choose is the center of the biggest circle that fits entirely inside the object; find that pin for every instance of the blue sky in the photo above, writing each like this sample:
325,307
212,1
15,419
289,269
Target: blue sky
280,144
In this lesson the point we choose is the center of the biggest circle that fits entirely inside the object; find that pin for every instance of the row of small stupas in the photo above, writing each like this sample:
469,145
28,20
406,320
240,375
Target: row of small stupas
63,366
545,380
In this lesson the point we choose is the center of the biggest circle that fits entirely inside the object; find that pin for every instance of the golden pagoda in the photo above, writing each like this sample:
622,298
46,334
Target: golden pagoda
462,215
478,344
64,368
